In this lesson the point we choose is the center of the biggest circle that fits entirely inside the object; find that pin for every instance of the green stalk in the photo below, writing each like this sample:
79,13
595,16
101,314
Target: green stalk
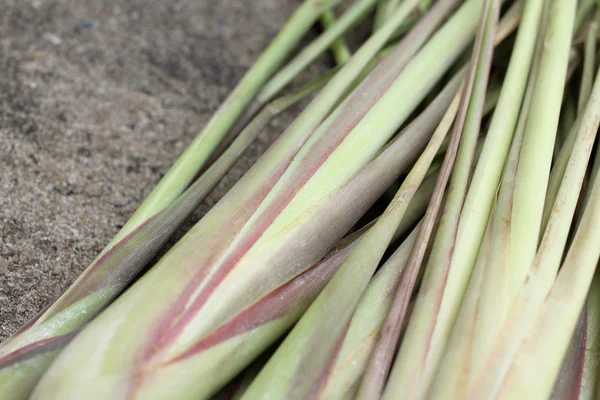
385,8
367,320
528,308
466,132
358,11
571,123
583,11
590,381
557,317
113,272
339,48
278,217
589,65
296,368
444,282
189,163
486,301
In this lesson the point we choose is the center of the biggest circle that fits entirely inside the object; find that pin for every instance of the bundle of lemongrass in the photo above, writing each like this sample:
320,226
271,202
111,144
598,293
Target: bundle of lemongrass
474,281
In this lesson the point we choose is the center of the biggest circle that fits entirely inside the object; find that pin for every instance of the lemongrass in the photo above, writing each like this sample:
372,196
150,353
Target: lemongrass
444,283
486,302
543,271
339,48
466,131
589,64
24,356
296,368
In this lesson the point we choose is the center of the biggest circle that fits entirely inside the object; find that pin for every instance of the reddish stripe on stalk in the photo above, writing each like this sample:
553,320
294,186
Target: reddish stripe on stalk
34,349
315,158
76,295
163,331
320,385
274,305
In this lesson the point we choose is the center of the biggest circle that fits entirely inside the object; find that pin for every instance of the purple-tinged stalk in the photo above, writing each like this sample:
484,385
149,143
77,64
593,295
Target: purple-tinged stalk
589,65
342,379
25,356
586,7
466,132
283,215
297,368
519,328
48,324
569,382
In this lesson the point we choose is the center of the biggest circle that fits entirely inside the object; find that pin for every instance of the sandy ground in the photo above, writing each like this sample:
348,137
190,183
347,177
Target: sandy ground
97,99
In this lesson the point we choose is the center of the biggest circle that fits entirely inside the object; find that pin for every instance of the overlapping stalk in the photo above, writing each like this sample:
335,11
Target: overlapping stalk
528,307
579,374
25,356
487,298
77,305
339,48
444,281
279,206
296,369
466,131
490,316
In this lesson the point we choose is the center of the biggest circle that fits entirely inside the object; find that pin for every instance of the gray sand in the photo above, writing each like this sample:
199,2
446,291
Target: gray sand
97,99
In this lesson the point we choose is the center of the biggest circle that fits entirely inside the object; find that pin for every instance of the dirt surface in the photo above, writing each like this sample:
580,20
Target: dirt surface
97,99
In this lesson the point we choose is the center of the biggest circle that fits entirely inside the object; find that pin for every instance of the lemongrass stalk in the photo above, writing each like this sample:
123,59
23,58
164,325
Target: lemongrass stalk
538,142
295,370
250,341
278,217
557,317
385,8
542,274
342,380
589,65
466,132
358,11
184,169
562,158
189,163
425,4
444,284
366,322
339,48
486,301
583,11
115,270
